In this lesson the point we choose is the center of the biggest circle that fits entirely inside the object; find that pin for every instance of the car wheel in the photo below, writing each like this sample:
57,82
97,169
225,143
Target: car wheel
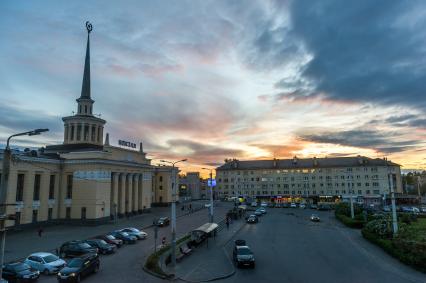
96,269
46,271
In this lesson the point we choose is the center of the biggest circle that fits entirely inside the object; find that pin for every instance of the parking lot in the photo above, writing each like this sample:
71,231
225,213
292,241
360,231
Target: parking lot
126,264
288,247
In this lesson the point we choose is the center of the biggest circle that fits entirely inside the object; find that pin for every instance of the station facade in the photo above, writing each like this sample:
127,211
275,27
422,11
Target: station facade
85,179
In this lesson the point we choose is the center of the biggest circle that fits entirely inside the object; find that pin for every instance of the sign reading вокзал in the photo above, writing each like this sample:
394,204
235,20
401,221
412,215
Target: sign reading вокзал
126,143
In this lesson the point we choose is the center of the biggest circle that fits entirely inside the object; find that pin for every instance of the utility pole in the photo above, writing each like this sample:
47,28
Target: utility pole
211,195
7,154
173,213
392,191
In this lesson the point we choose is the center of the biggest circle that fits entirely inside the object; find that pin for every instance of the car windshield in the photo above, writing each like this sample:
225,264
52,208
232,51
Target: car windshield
111,237
132,229
84,245
162,219
50,258
244,251
125,234
76,262
20,267
102,243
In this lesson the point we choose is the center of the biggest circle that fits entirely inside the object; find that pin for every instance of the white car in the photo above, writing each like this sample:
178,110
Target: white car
141,235
254,204
302,205
293,205
263,204
47,263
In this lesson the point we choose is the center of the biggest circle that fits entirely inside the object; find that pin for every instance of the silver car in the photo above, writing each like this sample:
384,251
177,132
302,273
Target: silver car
45,262
135,232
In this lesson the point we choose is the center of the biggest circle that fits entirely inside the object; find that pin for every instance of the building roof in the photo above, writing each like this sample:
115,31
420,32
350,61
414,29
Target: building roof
305,163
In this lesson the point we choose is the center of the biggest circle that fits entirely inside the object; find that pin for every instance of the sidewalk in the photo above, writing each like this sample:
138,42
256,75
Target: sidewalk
209,262
22,243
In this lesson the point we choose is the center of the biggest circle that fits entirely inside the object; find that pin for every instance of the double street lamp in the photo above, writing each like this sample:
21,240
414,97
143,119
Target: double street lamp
173,208
211,194
3,191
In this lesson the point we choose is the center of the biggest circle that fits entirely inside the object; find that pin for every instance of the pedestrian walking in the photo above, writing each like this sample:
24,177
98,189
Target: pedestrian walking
40,231
190,208
163,241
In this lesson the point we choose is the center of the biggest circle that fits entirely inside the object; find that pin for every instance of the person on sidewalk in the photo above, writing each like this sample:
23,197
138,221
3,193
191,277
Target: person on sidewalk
163,241
40,231
190,208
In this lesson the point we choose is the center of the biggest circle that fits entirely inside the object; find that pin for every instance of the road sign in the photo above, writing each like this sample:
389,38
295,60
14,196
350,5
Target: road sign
211,182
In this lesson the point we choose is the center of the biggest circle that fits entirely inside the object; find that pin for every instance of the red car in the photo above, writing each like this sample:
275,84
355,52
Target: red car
110,239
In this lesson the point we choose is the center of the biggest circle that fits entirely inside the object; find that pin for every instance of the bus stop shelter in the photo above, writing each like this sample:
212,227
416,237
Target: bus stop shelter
203,232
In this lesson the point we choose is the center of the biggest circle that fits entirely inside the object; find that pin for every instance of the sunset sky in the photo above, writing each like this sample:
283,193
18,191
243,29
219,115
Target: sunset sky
209,80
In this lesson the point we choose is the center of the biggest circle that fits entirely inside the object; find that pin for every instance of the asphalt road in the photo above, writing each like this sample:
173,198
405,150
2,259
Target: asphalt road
126,264
288,247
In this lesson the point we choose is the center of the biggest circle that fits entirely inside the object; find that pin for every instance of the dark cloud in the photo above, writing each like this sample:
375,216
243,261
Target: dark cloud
205,151
382,142
358,50
17,120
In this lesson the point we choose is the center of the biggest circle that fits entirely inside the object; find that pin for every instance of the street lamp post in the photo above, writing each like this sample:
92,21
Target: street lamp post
3,191
211,194
173,216
390,183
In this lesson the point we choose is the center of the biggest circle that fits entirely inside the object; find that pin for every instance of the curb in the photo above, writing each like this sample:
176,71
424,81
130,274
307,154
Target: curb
155,274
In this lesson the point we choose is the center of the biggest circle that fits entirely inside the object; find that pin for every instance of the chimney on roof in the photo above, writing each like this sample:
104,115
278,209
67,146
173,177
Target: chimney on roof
140,147
106,139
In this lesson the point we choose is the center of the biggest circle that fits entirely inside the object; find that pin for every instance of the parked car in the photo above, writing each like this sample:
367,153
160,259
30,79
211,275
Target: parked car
278,205
103,247
387,209
271,204
302,205
423,209
125,237
20,272
162,221
263,210
252,219
75,248
413,210
47,263
135,232
293,205
78,268
243,256
286,205
315,218
263,204
254,204
257,212
110,239
314,206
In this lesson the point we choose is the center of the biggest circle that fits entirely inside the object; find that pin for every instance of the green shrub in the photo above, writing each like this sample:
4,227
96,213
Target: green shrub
348,221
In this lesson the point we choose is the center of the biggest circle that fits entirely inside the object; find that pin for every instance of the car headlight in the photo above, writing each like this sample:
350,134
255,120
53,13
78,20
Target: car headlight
59,274
72,274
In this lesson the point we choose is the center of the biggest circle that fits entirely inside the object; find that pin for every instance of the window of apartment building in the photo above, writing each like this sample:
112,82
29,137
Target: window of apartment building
336,184
292,179
377,192
322,192
279,192
299,192
342,177
161,179
272,192
358,184
49,213
161,188
359,192
320,177
52,187
293,192
69,186
373,169
343,184
367,192
78,132
337,192
367,184
36,195
83,213
68,213
321,185
313,177
293,185
313,185
285,186
314,192
349,169
366,177
343,191
358,177
20,187
375,184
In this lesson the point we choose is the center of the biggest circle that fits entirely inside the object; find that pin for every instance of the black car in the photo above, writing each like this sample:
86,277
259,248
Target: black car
110,239
103,247
76,248
163,221
78,268
19,272
252,219
125,237
243,256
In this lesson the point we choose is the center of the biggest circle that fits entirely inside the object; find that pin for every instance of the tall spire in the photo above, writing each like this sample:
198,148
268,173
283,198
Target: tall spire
85,89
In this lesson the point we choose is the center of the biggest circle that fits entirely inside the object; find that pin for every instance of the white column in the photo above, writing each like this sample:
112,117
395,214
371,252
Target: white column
135,197
140,192
121,193
129,192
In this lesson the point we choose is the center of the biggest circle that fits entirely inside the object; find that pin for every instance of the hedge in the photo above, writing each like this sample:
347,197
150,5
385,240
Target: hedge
412,253
152,261
348,221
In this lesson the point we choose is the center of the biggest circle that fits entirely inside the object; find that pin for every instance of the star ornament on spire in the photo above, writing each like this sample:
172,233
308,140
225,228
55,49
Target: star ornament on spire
89,26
